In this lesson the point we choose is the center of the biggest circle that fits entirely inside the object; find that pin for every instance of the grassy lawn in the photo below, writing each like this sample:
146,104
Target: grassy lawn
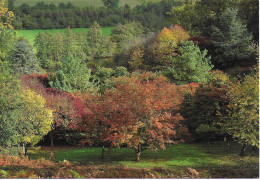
31,34
176,156
84,3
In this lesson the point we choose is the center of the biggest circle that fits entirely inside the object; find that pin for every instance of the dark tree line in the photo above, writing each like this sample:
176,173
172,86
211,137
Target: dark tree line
48,16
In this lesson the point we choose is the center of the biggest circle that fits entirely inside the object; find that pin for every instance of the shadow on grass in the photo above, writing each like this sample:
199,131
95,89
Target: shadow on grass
176,156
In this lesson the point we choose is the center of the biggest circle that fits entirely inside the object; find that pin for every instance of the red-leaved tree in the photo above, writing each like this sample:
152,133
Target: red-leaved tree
67,108
141,112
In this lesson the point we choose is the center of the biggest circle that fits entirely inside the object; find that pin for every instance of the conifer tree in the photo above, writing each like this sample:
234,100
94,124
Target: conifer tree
231,39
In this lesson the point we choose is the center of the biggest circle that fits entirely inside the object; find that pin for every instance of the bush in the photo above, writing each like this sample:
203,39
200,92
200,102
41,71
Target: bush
13,151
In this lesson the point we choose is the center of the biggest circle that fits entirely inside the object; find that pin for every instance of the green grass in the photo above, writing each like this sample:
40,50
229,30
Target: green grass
31,34
83,3
176,156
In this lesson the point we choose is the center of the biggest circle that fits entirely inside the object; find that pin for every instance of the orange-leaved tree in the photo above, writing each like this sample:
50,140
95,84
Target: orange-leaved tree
153,52
140,111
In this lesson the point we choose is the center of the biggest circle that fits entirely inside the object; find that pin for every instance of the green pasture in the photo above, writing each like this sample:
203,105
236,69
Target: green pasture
31,34
84,3
175,156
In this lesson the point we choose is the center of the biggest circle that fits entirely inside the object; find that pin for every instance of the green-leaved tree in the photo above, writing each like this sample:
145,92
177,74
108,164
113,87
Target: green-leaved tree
72,75
191,65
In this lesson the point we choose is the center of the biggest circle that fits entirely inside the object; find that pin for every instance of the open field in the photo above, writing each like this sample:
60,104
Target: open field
84,3
181,155
221,158
178,161
31,34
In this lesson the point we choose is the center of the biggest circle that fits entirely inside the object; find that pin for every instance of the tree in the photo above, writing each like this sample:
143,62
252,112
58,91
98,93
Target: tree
23,114
11,5
74,45
67,108
139,111
73,75
124,34
201,109
248,10
7,35
10,101
241,119
43,45
58,49
191,65
35,120
111,4
231,39
22,58
185,16
99,45
6,17
153,52
198,16
102,74
7,38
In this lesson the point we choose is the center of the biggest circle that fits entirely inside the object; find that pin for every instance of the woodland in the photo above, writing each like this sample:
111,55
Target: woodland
172,91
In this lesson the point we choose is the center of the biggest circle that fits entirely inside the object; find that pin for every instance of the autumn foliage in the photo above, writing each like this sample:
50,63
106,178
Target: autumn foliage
152,53
140,111
67,108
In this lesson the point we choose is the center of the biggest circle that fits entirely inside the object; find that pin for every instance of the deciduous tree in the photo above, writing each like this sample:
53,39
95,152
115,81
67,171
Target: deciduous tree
141,112
241,119
35,120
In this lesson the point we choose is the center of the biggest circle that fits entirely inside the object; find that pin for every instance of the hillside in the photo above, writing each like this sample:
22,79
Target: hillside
83,3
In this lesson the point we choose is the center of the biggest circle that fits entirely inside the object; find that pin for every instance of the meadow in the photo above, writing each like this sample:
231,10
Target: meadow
31,34
222,160
84,3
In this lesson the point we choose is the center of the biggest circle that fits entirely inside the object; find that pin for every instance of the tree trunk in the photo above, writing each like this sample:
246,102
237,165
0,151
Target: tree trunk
225,139
51,138
103,152
24,149
138,153
138,156
243,150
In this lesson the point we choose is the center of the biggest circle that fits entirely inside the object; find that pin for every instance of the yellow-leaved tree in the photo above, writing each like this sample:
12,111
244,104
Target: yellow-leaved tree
7,33
241,119
152,53
6,17
35,120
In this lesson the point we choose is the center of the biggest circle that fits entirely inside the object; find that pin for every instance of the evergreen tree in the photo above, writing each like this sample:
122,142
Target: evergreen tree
22,58
43,45
73,75
191,65
74,45
231,39
99,45
10,101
